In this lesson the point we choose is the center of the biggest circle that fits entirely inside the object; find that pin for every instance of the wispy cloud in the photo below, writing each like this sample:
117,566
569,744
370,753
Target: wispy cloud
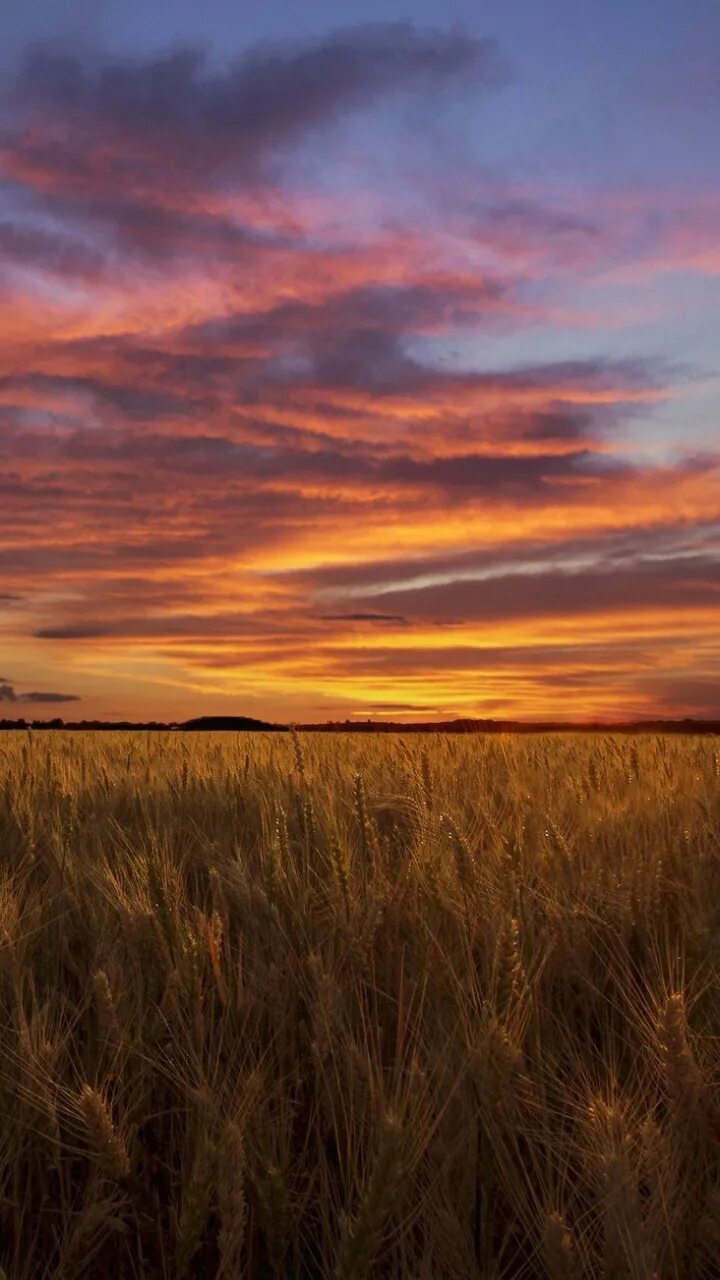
8,693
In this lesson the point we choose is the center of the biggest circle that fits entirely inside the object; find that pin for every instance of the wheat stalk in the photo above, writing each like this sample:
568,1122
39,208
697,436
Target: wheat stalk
105,1140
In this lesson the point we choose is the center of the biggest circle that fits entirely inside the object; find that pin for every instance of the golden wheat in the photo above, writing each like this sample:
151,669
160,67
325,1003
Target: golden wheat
298,1006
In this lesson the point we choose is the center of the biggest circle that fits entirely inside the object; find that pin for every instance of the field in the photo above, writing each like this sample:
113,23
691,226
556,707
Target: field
321,1006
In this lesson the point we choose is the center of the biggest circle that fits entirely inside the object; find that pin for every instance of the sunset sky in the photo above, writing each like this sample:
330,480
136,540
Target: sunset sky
360,360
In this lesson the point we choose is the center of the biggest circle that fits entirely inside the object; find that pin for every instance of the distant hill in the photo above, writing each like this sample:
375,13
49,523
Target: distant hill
240,724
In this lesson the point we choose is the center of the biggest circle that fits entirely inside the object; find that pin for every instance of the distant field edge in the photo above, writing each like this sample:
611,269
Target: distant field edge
246,724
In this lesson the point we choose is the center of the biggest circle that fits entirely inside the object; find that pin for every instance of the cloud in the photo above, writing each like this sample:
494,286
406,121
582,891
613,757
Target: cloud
49,697
681,584
175,157
86,631
389,619
8,693
668,541
398,706
21,243
177,117
437,302
270,93
569,582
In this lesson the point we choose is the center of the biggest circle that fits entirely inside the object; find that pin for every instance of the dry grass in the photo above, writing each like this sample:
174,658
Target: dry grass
359,1006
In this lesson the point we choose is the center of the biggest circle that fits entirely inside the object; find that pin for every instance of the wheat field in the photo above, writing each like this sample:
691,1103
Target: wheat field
280,1005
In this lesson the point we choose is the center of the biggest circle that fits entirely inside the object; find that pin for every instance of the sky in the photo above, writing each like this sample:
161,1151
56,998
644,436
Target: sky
358,360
